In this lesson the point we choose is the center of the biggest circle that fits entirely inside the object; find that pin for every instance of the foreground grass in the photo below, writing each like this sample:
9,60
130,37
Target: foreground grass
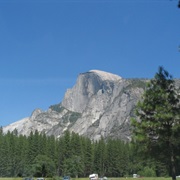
128,178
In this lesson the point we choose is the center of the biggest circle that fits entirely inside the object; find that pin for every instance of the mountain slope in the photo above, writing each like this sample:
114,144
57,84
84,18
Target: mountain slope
99,104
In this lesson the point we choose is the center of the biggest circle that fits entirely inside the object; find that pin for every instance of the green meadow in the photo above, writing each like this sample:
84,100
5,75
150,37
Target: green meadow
123,178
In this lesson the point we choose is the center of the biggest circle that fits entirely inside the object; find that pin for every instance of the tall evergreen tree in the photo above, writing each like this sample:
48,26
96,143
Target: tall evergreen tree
43,144
4,159
67,153
77,154
21,154
1,151
157,128
60,156
67,144
99,156
122,160
102,152
51,148
13,153
88,156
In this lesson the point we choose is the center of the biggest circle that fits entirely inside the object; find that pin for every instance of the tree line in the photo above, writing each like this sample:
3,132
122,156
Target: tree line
39,155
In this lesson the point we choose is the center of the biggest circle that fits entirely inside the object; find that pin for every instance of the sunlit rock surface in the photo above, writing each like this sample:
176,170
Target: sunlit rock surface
99,104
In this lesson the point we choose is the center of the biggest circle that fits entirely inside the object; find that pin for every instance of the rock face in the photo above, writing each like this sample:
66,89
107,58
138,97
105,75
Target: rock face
99,104
90,84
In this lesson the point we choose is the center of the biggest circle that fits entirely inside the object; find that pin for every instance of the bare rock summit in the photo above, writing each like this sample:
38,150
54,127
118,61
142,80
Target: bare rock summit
99,105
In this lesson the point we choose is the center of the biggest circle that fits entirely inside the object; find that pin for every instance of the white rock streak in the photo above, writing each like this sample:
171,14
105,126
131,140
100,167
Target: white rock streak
106,76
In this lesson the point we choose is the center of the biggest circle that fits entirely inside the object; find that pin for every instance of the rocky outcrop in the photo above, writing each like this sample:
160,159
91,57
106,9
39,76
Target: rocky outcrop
99,104
88,85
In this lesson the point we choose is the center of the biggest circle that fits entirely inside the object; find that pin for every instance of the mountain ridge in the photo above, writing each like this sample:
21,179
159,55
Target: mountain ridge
100,104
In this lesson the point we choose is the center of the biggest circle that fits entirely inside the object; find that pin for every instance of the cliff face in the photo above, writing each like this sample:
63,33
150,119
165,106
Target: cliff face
99,104
89,85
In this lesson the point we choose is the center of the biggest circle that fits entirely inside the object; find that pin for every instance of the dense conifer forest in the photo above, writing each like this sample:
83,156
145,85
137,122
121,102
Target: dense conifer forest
73,155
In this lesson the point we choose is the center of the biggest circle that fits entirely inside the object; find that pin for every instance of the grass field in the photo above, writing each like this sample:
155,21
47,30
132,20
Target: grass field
128,178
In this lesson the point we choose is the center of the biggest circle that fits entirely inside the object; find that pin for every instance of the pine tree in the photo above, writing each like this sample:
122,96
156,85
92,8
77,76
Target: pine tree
3,155
43,144
21,154
77,154
157,128
51,148
60,156
67,153
88,156
99,156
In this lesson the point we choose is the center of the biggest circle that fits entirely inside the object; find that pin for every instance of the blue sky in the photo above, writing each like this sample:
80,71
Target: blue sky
44,45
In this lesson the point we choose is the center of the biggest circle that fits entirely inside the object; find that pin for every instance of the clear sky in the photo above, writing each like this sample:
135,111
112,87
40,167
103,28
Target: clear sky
45,44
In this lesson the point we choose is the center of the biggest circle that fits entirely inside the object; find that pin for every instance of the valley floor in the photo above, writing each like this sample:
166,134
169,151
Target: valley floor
128,178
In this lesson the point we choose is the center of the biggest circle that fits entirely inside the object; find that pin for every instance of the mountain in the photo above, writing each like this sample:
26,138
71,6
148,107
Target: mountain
99,104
